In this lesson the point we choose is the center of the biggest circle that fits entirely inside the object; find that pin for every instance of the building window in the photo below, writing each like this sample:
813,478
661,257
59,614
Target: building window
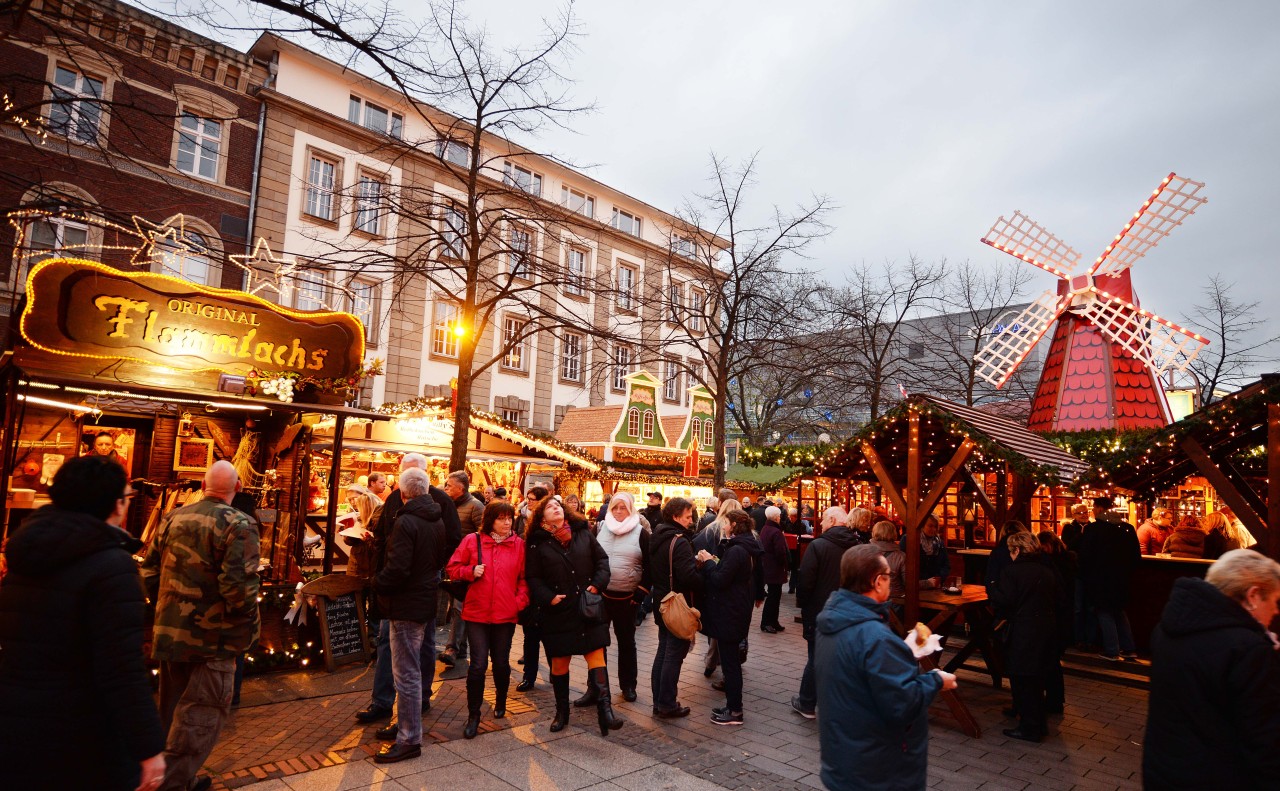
697,307
444,317
321,179
513,416
521,243
578,202
633,422
232,78
364,306
454,230
311,290
708,433
626,222
621,367
199,144
648,425
571,358
371,116
671,379
684,246
209,68
370,194
75,112
626,288
189,260
516,344
675,301
454,152
50,237
522,179
576,277
915,350
695,377
186,58
696,430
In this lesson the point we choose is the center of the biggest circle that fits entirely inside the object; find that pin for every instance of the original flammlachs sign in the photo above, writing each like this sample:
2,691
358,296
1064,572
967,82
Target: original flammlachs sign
87,309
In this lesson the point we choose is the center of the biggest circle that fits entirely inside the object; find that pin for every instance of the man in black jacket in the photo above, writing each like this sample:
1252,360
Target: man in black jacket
384,691
819,575
470,516
1109,552
407,588
652,512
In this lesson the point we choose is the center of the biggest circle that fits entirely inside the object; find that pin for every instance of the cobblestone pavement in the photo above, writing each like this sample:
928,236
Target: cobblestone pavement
314,743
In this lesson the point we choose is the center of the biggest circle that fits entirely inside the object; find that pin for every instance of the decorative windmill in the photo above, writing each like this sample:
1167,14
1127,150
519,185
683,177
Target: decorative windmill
1107,353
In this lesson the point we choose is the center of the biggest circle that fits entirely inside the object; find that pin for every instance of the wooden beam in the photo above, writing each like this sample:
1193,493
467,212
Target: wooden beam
1242,485
1271,540
1225,488
938,486
1002,499
1023,489
911,518
979,493
887,484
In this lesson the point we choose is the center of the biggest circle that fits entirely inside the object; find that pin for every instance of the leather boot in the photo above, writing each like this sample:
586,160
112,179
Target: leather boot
475,697
589,697
501,682
560,685
599,678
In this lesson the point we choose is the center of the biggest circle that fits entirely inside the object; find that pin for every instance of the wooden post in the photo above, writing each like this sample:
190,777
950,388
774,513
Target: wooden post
911,519
331,513
1272,539
1002,499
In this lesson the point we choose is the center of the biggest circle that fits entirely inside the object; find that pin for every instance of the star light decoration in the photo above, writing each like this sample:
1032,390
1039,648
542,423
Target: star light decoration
159,240
264,272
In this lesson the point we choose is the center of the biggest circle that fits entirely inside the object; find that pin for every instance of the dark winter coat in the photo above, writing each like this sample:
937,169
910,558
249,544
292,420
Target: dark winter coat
684,570
72,618
395,501
997,562
1071,533
470,515
652,514
874,700
707,518
1213,718
408,582
1216,544
733,585
934,561
757,516
819,572
552,570
1108,555
1186,542
776,561
1030,596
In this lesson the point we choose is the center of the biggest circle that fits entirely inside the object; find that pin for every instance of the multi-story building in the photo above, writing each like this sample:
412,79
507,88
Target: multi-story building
111,113
362,187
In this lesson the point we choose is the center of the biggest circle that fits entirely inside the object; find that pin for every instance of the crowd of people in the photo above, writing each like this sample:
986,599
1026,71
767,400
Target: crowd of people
72,618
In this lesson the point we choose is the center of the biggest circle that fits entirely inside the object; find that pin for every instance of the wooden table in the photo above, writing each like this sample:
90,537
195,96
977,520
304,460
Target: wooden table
972,601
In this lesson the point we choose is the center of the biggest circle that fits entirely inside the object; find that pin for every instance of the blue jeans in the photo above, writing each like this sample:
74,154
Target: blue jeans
1117,637
808,697
384,688
458,633
406,650
667,661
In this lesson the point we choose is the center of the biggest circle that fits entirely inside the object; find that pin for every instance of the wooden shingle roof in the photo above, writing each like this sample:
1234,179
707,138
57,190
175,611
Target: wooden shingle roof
589,425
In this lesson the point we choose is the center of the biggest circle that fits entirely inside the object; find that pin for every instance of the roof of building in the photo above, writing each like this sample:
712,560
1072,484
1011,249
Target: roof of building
673,427
590,425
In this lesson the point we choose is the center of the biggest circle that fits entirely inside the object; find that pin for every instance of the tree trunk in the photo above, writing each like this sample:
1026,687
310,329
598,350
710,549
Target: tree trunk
462,417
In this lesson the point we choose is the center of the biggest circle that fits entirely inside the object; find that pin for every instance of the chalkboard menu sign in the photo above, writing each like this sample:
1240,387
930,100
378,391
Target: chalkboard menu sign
343,632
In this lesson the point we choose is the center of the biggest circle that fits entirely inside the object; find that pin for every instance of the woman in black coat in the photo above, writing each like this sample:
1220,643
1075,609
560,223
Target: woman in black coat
1029,594
733,582
674,570
1213,718
563,561
76,709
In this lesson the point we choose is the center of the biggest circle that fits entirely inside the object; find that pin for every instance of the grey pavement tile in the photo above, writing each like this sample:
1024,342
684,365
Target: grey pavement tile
777,767
433,757
598,756
536,769
663,778
343,777
454,776
274,784
510,739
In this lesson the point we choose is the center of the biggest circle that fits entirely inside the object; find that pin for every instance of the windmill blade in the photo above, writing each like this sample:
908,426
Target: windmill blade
1172,202
1159,343
1027,240
997,361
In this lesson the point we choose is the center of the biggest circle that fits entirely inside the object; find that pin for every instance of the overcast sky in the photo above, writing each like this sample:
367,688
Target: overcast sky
924,122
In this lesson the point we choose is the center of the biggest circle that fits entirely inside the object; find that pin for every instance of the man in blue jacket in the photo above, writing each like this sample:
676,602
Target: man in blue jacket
873,698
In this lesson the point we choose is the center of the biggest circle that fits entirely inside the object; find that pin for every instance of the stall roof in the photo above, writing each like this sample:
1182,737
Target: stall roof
97,391
945,424
349,443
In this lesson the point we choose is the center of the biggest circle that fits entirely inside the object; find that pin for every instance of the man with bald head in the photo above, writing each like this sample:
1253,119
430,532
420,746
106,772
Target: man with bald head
202,574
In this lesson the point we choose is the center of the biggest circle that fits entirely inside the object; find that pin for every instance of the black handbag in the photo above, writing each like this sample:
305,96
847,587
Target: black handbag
458,588
590,605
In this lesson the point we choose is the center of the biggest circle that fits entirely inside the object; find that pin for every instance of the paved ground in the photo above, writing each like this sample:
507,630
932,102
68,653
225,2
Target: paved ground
297,732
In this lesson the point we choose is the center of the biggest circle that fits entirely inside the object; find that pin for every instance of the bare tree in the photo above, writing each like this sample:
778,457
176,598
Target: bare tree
973,300
1241,342
875,305
755,299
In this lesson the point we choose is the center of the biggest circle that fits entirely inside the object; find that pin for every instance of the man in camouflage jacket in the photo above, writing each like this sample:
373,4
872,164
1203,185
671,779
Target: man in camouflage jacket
202,574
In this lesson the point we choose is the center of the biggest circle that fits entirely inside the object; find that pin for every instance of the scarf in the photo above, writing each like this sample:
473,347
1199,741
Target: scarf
562,533
626,525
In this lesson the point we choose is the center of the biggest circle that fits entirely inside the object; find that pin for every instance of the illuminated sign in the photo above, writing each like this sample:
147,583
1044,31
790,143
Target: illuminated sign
85,309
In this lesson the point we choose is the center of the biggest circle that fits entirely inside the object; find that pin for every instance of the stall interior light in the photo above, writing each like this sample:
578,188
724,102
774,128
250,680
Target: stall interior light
77,408
124,395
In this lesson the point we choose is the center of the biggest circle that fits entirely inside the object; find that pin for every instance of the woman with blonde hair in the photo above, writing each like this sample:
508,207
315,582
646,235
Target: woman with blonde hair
713,539
1215,683
1220,535
859,521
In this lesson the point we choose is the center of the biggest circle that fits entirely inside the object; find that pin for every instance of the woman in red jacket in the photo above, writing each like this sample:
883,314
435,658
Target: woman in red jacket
493,560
